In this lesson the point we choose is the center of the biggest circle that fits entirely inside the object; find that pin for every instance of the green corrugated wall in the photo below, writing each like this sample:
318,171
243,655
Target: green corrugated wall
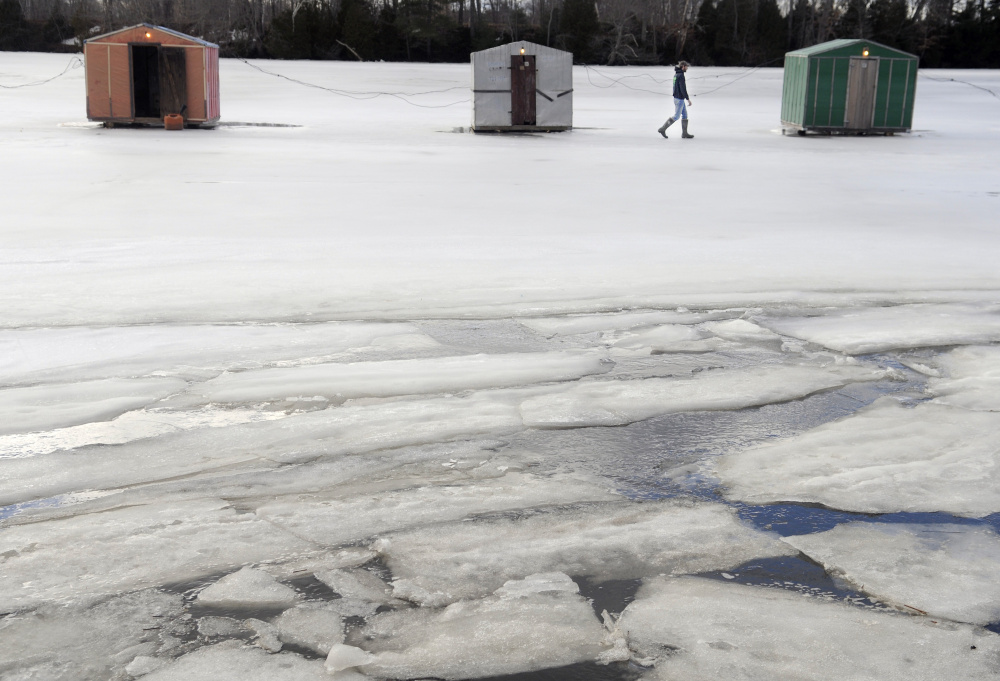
815,86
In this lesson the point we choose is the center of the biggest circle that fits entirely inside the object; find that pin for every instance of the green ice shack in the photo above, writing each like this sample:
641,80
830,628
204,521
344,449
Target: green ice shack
849,86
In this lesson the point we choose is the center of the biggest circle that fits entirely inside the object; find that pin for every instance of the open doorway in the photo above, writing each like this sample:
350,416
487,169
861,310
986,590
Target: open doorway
146,81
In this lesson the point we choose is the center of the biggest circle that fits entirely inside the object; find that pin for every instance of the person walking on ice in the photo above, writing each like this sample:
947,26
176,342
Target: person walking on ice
680,95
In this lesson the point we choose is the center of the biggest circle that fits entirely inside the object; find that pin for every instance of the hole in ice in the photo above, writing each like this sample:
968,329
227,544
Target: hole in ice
302,651
311,588
795,573
612,595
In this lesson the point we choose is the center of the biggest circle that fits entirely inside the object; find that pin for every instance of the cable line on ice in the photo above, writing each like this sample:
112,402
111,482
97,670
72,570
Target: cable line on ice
964,82
362,95
751,71
666,81
73,64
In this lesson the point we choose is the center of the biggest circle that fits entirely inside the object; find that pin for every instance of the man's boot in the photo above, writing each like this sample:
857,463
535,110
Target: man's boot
663,128
684,129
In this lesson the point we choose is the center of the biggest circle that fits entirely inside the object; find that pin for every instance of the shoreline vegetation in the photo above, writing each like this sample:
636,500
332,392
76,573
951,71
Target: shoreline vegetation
943,33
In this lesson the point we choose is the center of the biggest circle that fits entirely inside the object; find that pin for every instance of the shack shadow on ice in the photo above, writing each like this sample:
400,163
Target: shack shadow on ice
848,86
150,75
522,87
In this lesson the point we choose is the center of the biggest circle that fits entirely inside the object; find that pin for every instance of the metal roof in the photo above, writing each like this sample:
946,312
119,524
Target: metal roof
523,43
172,32
831,45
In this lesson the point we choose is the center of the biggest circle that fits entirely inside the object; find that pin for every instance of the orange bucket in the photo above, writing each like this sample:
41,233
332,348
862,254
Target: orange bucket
173,122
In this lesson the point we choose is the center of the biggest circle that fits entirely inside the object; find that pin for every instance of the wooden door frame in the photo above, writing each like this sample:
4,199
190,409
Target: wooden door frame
521,83
131,73
856,93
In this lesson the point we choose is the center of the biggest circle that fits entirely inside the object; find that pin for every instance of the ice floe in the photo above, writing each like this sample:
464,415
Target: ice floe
882,459
314,626
230,662
43,407
130,548
335,521
670,338
74,643
342,657
973,378
211,626
441,564
134,425
247,588
529,624
302,437
360,584
943,570
401,377
877,329
740,330
613,403
705,630
576,324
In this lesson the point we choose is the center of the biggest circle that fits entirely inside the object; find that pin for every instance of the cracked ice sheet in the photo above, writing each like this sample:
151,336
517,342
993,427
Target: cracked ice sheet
332,432
60,643
131,548
336,521
576,324
973,379
740,330
704,630
671,338
945,570
445,563
868,330
232,662
82,353
537,623
134,425
44,407
615,403
401,377
883,459
251,487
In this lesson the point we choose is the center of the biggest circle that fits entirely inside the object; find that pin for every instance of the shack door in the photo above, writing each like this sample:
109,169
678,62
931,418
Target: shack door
145,81
173,81
862,79
522,89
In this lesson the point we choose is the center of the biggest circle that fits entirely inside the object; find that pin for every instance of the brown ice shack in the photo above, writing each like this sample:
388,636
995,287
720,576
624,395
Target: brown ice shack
143,73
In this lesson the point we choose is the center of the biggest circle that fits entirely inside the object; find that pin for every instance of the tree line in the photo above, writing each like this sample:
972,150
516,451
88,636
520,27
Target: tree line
943,33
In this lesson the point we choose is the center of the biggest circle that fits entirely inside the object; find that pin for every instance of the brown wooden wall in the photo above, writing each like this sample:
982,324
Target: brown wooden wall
109,80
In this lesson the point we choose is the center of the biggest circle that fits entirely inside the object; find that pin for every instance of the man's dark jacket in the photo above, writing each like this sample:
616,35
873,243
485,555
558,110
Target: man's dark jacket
680,86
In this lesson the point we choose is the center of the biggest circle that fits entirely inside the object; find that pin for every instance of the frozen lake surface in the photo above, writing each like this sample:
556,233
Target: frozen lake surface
359,395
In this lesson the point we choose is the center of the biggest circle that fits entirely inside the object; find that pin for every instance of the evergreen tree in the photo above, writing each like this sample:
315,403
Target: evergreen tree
15,34
307,32
579,29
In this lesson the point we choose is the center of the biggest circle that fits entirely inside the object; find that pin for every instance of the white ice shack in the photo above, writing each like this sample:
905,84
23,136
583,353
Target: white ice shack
520,87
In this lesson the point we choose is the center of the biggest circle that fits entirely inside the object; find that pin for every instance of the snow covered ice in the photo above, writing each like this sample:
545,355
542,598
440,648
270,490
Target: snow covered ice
534,623
943,570
701,630
446,563
316,402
